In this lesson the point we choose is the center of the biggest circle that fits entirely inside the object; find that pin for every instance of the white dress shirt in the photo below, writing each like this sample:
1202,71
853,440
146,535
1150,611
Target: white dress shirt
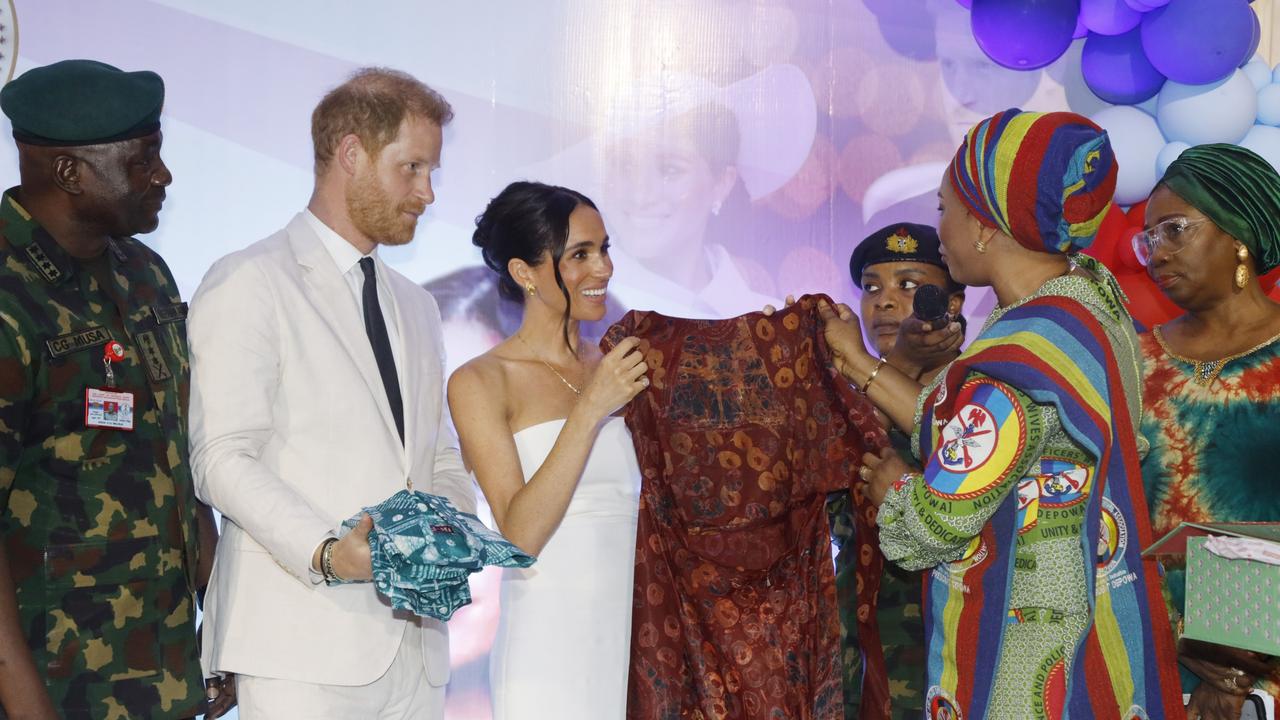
347,258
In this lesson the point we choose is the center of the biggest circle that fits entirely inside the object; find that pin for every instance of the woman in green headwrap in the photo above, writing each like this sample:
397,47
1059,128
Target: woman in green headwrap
1211,390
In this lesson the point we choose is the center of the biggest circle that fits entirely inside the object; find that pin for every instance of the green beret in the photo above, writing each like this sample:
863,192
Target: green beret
901,242
82,102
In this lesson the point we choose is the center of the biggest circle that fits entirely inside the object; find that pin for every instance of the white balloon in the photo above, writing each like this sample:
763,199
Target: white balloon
1265,141
1136,141
1259,73
1168,154
1220,112
1269,105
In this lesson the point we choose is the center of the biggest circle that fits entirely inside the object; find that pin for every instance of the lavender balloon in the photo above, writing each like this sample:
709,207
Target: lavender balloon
1082,30
1116,69
1109,17
1197,42
1024,34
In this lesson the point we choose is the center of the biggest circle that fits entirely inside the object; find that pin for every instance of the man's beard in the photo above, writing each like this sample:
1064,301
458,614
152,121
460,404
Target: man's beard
378,217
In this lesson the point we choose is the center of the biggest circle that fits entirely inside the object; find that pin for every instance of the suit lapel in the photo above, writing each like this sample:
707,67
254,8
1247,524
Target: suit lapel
329,292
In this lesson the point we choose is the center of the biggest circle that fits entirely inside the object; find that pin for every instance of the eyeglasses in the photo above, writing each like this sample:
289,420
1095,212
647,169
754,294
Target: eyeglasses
1173,234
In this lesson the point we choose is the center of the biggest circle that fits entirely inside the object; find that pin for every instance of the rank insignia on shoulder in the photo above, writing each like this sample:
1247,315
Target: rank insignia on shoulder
80,340
177,312
47,267
152,357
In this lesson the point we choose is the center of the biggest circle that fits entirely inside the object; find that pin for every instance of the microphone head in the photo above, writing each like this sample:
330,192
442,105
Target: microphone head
929,303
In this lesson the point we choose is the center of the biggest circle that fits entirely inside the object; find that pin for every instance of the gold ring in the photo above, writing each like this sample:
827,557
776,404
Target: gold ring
864,471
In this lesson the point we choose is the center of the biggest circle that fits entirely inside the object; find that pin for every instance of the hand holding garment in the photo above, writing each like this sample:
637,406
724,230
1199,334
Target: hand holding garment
423,549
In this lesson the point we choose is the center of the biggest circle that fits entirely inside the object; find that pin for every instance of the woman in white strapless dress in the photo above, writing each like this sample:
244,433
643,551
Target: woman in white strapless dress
535,416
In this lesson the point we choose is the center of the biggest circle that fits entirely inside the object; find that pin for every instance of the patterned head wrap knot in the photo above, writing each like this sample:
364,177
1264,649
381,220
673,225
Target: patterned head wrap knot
1237,190
1044,179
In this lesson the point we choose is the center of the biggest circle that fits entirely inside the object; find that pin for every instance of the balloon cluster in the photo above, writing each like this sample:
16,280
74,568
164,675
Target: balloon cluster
1176,73
1133,46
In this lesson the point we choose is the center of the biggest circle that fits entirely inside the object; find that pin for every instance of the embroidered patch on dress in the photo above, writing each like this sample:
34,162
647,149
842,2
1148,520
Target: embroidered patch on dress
980,445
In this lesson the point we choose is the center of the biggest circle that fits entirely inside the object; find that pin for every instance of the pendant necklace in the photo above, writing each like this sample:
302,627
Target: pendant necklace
550,367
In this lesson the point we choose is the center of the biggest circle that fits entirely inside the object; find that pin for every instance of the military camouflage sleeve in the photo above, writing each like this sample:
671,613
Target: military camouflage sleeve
979,456
17,387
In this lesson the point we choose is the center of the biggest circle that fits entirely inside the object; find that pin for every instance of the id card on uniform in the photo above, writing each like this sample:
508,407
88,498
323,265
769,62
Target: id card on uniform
109,409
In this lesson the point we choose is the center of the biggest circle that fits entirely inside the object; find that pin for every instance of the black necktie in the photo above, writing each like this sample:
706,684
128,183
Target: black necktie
376,328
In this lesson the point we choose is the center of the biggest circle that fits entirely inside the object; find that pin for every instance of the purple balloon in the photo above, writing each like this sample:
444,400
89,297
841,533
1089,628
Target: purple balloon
965,3
1109,17
1024,34
1257,40
1081,30
1116,69
1198,42
1140,5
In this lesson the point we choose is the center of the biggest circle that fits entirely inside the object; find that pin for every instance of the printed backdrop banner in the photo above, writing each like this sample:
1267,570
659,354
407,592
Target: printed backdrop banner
738,149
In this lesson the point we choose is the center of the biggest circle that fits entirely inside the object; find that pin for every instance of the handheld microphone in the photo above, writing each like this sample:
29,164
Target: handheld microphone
930,304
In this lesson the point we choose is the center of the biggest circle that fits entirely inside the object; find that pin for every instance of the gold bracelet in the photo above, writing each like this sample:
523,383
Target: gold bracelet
874,373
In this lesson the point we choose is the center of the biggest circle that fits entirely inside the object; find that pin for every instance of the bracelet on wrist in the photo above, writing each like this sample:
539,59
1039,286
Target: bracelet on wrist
874,373
326,563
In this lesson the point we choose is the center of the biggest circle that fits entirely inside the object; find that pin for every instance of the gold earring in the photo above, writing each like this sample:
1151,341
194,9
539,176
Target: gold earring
980,245
531,289
1242,270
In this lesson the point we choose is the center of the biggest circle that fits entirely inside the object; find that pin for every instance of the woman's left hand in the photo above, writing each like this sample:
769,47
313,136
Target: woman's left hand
881,471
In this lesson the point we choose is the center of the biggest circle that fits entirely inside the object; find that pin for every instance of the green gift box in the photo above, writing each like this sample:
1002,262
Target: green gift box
1234,602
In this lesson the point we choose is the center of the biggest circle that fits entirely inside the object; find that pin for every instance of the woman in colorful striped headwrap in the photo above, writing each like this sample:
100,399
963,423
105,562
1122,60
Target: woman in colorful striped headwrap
1212,377
1027,504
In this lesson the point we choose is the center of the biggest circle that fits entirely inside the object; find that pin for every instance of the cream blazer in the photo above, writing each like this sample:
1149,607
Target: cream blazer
291,433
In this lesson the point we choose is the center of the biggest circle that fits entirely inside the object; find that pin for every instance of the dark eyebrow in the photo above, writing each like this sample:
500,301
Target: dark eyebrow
579,246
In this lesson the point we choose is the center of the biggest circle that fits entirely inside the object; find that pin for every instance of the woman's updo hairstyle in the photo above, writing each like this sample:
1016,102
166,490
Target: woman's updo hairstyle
525,220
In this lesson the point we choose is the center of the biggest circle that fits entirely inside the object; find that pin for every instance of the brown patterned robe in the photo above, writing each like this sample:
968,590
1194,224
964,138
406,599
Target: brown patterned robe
743,432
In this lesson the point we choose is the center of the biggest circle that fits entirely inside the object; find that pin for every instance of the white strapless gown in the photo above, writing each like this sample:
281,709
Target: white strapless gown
562,649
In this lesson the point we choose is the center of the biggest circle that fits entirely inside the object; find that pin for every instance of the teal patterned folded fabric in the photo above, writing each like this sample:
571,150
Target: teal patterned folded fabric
423,549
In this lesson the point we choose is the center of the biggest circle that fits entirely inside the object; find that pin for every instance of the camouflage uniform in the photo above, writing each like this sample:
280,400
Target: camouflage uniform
99,524
898,613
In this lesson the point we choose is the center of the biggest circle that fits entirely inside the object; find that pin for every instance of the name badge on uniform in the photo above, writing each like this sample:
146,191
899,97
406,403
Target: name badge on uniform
108,407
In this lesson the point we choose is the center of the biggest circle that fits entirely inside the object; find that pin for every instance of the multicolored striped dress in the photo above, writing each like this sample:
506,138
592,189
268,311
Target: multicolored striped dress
1213,431
1037,605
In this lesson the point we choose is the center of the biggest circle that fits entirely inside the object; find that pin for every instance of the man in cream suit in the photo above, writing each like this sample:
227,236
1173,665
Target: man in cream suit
316,391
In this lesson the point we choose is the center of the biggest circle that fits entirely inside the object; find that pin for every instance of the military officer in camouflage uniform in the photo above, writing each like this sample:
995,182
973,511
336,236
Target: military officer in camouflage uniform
888,266
103,537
